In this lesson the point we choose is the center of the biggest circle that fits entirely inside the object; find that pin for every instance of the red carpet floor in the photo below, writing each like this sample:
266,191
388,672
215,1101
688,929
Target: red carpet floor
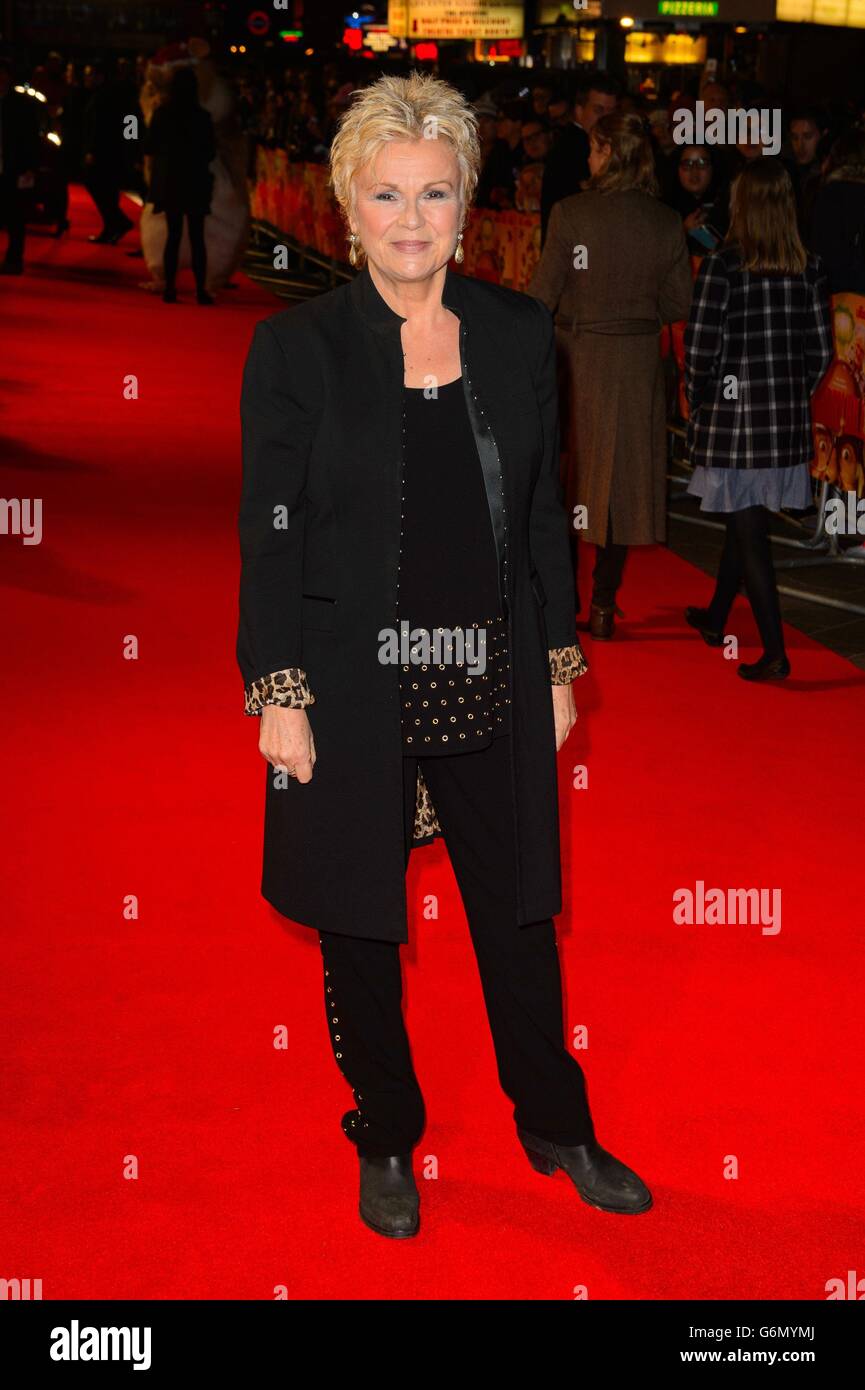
150,1042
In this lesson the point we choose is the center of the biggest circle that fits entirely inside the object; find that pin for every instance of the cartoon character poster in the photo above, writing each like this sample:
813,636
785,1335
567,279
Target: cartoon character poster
838,406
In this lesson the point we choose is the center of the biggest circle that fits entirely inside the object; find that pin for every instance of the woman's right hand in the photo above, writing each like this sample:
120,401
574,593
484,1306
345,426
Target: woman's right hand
694,220
285,740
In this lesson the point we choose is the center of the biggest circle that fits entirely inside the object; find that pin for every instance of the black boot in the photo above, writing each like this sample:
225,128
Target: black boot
120,229
389,1199
601,1180
602,620
766,669
699,618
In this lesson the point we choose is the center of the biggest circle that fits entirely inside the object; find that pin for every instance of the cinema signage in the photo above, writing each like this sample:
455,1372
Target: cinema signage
455,19
751,12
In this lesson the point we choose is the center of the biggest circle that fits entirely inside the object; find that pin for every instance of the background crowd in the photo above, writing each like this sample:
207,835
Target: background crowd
545,141
534,130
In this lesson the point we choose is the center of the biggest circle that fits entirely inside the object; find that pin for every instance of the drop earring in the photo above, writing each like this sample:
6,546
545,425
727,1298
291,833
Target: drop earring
352,251
458,254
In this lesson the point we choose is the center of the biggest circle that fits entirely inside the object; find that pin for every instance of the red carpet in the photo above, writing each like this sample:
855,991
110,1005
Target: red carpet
150,1041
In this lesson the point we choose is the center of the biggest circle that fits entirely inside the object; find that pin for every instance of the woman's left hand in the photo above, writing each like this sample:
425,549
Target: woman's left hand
565,712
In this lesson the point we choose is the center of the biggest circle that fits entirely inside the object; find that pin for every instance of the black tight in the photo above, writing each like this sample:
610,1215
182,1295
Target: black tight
609,565
196,243
747,555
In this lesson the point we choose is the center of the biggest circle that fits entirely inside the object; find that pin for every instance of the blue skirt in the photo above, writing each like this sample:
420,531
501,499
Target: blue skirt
733,489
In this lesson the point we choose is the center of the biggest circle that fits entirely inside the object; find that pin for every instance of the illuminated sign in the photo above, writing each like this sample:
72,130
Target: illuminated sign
258,23
551,13
750,12
846,14
675,49
689,9
455,19
378,38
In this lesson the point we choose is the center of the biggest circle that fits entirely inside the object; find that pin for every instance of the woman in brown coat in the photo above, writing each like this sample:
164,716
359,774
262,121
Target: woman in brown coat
614,269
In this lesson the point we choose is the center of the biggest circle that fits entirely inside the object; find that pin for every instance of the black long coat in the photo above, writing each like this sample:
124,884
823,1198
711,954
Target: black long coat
322,423
182,145
20,149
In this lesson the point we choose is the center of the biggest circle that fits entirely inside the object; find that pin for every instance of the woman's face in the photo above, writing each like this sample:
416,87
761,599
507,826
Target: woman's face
407,210
599,157
695,171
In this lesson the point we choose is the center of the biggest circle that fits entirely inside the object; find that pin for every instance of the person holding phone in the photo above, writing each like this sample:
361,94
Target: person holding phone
701,198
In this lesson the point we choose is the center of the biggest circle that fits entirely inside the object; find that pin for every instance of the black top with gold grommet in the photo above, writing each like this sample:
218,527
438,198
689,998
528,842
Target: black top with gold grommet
454,660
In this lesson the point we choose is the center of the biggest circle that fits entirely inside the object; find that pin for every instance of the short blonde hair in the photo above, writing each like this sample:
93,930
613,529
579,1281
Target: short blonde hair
404,108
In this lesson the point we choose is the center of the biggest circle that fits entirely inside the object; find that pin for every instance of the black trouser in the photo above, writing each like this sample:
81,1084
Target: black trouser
13,213
519,970
747,555
174,218
103,182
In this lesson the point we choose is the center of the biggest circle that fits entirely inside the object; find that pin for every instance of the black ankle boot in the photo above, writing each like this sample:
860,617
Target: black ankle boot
389,1199
699,618
601,1180
776,669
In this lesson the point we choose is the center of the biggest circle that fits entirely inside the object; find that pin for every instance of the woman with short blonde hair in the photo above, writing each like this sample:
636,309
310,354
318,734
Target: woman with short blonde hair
407,636
398,108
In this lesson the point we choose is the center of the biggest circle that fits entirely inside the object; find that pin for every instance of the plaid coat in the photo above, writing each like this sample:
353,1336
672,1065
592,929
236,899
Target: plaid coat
772,333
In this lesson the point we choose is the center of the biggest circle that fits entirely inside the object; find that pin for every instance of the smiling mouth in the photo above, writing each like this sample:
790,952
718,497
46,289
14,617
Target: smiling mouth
410,245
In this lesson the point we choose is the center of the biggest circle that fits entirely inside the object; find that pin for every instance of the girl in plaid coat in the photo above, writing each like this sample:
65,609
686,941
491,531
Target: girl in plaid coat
758,340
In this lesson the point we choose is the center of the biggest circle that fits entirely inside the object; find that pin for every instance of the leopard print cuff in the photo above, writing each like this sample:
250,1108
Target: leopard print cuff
287,688
566,663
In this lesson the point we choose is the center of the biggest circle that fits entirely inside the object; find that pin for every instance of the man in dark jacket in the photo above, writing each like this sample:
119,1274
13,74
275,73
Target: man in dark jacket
19,157
497,185
837,230
808,131
105,151
567,164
